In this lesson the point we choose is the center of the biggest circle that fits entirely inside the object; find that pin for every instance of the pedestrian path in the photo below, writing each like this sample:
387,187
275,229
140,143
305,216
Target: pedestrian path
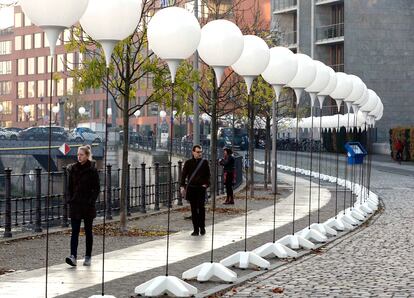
121,263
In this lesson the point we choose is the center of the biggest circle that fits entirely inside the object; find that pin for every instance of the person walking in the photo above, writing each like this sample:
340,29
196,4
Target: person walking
228,168
195,179
83,191
399,147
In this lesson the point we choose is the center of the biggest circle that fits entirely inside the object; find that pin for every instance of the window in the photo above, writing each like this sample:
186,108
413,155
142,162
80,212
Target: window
67,34
18,43
7,107
53,88
22,116
5,87
40,65
40,88
46,41
5,47
49,63
38,40
21,92
5,67
27,21
31,66
27,42
31,89
41,111
60,87
60,62
70,60
17,20
69,86
21,67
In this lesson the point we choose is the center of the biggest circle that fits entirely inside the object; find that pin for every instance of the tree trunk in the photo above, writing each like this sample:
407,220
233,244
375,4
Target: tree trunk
251,146
268,165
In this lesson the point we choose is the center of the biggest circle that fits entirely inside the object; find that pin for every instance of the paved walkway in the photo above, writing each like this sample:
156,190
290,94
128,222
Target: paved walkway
374,261
145,257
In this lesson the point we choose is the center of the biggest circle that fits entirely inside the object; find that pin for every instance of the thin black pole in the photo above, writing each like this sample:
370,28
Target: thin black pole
250,113
49,164
214,125
310,169
295,165
337,169
170,177
275,169
353,174
319,164
105,180
346,165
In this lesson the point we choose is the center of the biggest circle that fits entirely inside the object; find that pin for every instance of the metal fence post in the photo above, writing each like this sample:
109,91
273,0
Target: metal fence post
157,186
7,222
143,188
108,192
65,198
128,192
170,196
180,169
38,220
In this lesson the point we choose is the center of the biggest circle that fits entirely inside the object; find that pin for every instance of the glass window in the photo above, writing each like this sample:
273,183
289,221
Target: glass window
27,42
18,43
60,87
49,63
46,41
38,40
40,88
67,34
22,116
60,62
21,67
5,87
7,107
80,65
48,88
70,59
5,47
21,92
41,111
69,86
5,67
31,66
31,89
17,20
27,21
40,65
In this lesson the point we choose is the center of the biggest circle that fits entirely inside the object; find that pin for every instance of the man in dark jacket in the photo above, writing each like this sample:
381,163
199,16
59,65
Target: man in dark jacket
195,180
228,164
83,190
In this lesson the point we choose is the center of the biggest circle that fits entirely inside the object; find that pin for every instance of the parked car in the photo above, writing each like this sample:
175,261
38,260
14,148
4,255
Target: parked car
134,137
240,139
13,129
85,134
6,134
41,133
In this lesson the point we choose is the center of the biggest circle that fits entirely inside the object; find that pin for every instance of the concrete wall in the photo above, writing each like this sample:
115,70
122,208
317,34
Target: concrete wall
379,47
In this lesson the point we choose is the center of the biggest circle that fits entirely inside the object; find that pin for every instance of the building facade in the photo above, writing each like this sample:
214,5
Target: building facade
372,39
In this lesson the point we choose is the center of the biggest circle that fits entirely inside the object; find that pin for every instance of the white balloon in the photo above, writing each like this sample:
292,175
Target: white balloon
282,66
306,72
371,103
358,89
343,87
321,80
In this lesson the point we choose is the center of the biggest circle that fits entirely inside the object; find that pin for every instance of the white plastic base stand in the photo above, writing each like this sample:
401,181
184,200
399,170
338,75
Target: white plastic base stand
100,296
244,259
169,285
345,222
335,223
311,234
324,229
208,270
296,241
275,249
364,208
347,218
355,213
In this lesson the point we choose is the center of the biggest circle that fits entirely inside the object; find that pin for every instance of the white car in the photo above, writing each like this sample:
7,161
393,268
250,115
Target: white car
86,134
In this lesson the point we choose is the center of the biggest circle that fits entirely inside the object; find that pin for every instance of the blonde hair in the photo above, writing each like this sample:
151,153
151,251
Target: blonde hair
87,150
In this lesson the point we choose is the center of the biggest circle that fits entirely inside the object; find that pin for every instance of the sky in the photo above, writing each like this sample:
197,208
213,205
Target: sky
6,15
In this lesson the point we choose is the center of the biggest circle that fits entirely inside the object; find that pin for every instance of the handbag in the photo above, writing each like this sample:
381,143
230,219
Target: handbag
184,192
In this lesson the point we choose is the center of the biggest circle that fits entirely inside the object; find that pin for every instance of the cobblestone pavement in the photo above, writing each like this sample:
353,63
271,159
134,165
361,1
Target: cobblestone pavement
376,260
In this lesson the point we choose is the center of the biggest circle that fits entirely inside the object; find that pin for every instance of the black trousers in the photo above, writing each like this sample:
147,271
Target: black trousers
229,184
74,239
197,196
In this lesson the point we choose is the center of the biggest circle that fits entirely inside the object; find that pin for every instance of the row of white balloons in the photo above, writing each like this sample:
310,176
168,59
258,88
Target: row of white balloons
174,34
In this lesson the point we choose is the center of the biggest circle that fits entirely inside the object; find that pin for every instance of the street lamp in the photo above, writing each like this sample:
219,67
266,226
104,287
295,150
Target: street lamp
55,110
26,110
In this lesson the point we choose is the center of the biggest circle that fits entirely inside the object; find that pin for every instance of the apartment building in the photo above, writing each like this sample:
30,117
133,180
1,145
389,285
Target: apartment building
372,39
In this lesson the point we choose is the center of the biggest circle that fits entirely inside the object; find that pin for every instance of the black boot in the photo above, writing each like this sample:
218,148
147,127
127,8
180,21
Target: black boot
195,232
202,231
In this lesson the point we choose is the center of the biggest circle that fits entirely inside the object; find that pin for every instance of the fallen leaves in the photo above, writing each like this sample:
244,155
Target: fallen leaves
6,270
278,290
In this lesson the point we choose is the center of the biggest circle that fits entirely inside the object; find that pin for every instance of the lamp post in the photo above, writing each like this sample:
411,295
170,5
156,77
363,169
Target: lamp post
173,35
255,49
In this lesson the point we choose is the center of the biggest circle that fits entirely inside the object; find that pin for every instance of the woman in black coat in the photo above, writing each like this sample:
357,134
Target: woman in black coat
228,164
83,191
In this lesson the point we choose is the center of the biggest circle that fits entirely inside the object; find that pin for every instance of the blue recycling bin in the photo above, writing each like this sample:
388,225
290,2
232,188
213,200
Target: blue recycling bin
355,152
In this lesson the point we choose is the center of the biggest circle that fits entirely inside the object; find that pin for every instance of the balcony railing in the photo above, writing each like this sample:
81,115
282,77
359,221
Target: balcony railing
321,2
337,67
330,31
7,31
285,4
289,38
